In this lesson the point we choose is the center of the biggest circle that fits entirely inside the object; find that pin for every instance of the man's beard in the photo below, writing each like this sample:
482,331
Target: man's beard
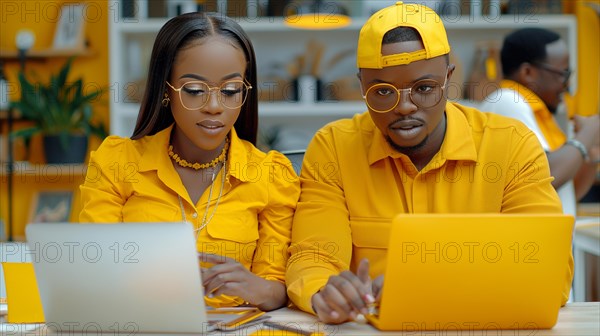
410,150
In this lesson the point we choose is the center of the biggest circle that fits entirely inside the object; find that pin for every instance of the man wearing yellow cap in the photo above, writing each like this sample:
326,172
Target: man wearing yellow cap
412,152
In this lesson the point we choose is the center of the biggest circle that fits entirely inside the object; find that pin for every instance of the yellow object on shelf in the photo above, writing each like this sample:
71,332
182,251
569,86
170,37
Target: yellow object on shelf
588,58
491,70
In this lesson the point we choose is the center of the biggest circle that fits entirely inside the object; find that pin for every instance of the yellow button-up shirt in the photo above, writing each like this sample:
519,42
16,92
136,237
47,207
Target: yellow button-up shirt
354,183
135,181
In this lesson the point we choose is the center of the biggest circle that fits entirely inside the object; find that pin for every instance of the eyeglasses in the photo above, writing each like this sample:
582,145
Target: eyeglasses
382,98
563,73
195,94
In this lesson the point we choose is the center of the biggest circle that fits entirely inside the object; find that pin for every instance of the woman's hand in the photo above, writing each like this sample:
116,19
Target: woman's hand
346,295
229,277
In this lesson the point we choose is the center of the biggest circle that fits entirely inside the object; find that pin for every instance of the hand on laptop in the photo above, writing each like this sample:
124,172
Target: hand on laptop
229,277
346,295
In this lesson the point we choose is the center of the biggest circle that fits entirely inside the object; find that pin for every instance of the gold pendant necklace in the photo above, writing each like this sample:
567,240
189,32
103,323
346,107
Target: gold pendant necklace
206,220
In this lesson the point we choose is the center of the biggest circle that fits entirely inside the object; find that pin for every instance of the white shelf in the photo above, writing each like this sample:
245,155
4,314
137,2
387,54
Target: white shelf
508,21
46,53
277,24
327,109
277,45
136,26
256,25
129,110
267,110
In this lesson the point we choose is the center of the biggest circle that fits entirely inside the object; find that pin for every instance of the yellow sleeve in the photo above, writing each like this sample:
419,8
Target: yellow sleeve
275,219
102,194
530,190
321,236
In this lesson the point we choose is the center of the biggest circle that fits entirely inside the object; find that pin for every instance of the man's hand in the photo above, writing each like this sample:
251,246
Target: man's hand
587,130
345,295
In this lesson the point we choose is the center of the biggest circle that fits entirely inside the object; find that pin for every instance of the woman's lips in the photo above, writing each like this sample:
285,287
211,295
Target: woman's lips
210,123
211,126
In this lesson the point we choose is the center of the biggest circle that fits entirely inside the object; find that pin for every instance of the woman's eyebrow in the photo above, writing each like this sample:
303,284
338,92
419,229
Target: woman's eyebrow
198,77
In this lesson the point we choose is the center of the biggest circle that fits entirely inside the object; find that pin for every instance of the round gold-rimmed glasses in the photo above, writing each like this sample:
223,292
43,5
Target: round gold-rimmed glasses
384,97
195,94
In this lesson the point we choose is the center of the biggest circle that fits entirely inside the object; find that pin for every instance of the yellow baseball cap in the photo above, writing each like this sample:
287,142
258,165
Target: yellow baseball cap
422,18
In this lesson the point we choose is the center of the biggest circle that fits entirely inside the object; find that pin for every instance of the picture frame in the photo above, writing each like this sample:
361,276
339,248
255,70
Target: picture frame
70,28
51,206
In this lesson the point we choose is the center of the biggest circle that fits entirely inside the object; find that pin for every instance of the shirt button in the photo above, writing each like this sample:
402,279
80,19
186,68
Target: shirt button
195,215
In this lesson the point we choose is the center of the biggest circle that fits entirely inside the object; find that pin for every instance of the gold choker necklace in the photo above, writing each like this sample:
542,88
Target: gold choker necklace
197,165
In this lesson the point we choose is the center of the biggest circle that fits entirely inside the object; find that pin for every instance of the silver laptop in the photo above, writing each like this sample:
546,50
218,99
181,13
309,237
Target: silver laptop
134,278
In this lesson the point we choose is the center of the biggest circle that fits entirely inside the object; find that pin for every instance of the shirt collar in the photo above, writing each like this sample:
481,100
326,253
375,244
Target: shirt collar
158,144
536,103
237,158
457,144
550,129
155,157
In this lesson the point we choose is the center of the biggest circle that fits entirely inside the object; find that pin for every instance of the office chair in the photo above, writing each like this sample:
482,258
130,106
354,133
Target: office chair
295,156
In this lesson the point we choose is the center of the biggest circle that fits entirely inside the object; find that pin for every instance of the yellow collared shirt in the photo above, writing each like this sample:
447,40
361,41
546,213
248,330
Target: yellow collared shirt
354,183
135,181
546,122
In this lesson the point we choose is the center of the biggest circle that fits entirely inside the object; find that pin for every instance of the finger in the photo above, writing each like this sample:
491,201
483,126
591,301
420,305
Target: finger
378,288
212,291
339,294
229,268
233,288
324,312
217,282
362,272
227,288
354,291
214,258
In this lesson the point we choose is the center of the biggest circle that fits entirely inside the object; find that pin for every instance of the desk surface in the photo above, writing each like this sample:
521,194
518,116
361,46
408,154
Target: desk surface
575,319
591,231
588,209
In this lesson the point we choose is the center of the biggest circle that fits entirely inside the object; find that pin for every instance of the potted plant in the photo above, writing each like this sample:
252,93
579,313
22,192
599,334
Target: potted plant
61,112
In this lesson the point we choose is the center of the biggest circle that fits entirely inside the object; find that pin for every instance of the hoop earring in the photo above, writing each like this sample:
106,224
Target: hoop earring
166,100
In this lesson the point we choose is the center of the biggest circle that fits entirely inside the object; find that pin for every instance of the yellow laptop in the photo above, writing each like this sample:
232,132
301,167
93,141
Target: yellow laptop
474,271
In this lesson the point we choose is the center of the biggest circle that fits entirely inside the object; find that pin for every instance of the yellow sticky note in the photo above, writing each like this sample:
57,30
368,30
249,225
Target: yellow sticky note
22,294
271,332
283,329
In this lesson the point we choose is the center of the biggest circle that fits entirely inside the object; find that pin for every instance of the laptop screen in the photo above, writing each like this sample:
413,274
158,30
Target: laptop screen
475,271
130,277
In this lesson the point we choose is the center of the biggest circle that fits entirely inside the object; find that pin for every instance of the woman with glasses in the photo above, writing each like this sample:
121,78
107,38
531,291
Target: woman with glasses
192,157
412,151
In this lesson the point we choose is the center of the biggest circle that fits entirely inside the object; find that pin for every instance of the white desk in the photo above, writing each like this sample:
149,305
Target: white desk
586,239
575,319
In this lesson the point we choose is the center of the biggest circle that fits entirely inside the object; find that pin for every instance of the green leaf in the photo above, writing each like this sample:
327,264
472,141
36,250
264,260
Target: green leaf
99,131
58,107
64,73
25,133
